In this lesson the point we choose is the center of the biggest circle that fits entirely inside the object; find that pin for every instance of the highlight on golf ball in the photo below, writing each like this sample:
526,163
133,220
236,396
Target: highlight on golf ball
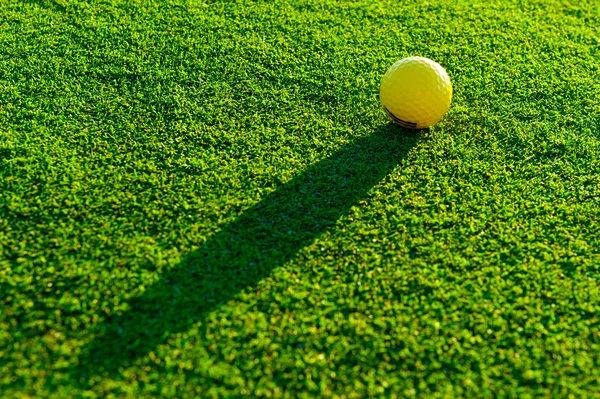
416,92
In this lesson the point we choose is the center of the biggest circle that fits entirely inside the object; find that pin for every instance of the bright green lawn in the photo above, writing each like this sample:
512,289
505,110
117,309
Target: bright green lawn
205,199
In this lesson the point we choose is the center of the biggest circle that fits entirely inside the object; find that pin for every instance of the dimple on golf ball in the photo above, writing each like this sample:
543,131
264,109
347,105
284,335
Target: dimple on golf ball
416,92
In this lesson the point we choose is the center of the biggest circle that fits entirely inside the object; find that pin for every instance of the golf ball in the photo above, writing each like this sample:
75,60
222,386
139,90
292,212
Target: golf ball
416,92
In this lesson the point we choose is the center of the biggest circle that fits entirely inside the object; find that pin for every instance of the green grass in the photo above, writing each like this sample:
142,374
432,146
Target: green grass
205,199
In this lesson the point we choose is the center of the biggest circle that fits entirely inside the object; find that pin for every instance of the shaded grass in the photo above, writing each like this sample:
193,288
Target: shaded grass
247,250
138,137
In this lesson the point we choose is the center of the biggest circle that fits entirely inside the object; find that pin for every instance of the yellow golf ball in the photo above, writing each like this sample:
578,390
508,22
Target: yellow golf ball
416,92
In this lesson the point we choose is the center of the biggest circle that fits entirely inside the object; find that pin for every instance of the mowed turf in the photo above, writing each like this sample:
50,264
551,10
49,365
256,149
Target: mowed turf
205,199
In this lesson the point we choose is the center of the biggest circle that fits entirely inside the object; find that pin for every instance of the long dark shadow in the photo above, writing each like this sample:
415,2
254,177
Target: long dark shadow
247,250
